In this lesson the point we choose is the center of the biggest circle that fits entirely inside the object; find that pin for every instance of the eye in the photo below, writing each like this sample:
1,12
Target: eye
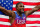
21,6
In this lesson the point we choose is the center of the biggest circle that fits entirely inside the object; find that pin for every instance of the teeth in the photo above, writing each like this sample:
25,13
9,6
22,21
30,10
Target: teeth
22,10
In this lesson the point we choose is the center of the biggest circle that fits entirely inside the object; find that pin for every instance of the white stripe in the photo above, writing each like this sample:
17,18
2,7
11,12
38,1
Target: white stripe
28,0
3,16
32,24
14,5
36,13
26,6
5,23
33,19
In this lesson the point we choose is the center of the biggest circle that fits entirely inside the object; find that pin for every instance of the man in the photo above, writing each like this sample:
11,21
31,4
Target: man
19,16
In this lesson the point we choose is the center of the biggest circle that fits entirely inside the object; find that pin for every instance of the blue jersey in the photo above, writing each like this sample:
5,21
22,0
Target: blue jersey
20,20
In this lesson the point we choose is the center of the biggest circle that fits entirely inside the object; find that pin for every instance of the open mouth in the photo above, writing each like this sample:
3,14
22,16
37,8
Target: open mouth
22,10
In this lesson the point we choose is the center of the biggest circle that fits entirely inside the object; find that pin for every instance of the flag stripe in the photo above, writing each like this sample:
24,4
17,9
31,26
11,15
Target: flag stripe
33,19
26,6
32,26
27,9
33,22
27,3
3,16
33,16
28,0
1,25
4,20
5,23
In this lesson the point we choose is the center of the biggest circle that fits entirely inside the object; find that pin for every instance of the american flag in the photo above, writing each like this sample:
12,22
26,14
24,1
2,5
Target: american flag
32,20
4,19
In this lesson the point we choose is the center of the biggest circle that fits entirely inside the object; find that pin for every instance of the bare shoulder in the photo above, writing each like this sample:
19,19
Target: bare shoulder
26,13
12,13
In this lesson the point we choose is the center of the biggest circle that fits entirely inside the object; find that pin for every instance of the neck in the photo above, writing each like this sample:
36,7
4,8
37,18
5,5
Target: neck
19,13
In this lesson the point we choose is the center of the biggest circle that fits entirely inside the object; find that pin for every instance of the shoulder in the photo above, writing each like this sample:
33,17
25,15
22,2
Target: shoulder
12,12
26,13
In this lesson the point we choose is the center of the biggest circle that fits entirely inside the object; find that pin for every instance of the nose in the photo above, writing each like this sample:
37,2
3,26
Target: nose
22,7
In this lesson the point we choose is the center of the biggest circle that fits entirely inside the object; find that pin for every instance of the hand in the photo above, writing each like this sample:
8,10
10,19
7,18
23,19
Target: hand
38,6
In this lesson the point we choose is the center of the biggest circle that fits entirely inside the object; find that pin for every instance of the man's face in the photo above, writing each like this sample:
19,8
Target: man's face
20,7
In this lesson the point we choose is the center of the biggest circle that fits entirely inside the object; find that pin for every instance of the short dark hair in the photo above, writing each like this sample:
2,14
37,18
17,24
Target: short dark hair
18,4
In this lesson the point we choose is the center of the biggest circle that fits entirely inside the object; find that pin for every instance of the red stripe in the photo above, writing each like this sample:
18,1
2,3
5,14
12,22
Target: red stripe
14,9
4,20
33,16
33,26
4,25
26,9
32,22
26,3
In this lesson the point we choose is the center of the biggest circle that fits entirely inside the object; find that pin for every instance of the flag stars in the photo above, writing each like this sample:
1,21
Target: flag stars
11,1
10,5
0,2
6,1
6,5
10,9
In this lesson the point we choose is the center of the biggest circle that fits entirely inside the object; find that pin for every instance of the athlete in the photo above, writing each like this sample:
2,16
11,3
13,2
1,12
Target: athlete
20,15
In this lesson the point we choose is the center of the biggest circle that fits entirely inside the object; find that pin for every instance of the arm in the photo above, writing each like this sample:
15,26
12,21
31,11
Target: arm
8,12
5,11
12,18
33,10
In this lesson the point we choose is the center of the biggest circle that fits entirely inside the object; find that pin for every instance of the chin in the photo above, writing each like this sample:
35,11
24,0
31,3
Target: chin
22,11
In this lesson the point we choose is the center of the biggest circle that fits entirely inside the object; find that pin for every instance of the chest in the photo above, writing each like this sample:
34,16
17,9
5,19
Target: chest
23,17
20,20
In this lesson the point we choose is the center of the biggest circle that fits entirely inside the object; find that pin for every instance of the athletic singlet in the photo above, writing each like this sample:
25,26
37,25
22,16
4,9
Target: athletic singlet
20,20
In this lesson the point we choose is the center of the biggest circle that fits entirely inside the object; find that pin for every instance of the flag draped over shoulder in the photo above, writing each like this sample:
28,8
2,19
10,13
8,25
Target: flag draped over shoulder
32,20
4,20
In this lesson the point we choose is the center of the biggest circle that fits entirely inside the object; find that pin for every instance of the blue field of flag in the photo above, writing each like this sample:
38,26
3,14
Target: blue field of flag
7,4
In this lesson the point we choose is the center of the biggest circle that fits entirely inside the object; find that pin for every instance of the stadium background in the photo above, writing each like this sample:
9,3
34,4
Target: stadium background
32,20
